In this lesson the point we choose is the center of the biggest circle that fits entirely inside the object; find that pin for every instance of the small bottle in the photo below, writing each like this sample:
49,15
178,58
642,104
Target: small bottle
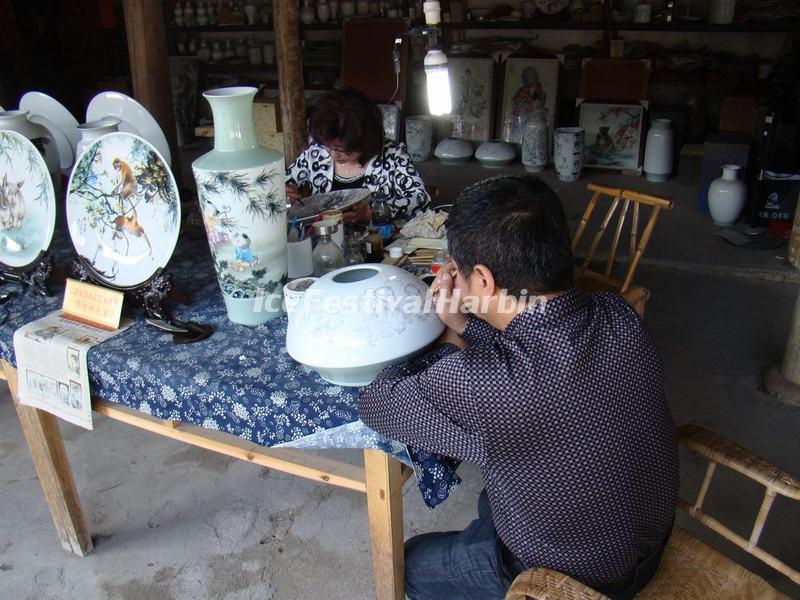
374,244
382,217
353,250
327,254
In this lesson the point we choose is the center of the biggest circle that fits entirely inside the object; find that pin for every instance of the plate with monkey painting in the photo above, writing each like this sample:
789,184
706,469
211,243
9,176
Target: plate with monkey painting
27,202
123,209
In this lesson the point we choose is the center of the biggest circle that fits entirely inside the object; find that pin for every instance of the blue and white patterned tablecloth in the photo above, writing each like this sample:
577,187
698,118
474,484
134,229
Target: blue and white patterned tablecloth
240,380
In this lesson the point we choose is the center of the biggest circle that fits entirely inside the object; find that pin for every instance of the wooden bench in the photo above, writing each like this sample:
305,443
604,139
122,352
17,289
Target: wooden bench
691,569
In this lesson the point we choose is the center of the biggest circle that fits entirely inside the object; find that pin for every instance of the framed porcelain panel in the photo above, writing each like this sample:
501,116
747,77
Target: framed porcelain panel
472,89
528,84
613,135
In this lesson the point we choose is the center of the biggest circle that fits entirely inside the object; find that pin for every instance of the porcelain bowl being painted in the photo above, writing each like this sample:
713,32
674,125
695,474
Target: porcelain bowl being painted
355,321
495,153
452,151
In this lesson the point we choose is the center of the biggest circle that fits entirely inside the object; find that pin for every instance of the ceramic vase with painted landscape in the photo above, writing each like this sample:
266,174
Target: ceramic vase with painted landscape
727,196
534,142
419,137
658,151
17,120
568,147
243,199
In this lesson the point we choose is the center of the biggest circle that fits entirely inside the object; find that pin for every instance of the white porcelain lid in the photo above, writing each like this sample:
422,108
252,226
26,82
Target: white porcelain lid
361,315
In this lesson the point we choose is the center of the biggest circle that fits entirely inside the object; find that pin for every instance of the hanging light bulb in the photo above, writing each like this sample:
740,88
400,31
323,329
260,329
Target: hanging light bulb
438,79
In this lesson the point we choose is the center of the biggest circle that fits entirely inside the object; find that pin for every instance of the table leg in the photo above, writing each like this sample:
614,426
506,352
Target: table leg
50,459
385,506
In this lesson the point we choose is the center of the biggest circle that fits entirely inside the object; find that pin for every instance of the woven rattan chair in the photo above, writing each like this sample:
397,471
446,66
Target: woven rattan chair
602,281
690,569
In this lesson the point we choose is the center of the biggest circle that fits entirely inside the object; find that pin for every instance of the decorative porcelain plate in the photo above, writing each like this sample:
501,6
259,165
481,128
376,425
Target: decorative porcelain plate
551,7
51,114
123,209
313,206
27,201
133,117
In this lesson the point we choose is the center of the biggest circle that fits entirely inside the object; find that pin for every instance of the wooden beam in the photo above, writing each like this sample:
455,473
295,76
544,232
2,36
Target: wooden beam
385,507
149,60
293,461
290,77
52,466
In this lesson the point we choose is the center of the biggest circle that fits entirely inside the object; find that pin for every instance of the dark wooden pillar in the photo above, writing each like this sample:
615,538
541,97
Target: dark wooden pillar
290,77
149,58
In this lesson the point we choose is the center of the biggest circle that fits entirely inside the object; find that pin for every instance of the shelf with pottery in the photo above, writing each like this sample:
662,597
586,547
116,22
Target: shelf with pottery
543,24
252,28
226,67
689,26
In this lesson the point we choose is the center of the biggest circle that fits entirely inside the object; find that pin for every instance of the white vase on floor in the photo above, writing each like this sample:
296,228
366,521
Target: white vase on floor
658,151
727,196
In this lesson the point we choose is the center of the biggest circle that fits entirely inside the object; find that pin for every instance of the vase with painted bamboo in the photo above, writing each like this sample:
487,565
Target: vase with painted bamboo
241,187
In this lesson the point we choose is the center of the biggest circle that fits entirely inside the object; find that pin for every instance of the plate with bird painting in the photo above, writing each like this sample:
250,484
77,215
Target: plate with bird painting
27,202
123,209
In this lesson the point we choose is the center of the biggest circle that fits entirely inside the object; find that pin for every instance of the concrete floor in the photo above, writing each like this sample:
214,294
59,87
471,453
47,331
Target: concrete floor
173,522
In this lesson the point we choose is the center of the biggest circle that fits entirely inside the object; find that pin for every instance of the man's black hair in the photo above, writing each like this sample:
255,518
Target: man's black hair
515,226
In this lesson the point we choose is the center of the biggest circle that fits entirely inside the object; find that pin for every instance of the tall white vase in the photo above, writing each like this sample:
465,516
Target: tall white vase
727,196
241,187
17,120
569,144
94,130
419,137
658,151
534,142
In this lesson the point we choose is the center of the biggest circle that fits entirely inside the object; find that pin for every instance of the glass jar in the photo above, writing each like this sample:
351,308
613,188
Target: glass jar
353,250
374,244
327,254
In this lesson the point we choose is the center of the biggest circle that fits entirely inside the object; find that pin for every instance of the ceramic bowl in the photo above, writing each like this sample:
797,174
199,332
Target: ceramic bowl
453,151
495,153
354,321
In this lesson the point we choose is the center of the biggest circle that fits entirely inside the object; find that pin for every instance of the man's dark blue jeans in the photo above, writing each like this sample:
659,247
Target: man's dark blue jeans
457,565
474,564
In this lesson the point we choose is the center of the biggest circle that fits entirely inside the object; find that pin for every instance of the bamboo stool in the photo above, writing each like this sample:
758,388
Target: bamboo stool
590,280
690,569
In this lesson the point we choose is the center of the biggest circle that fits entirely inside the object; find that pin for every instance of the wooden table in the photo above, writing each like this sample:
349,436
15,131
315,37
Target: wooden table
381,479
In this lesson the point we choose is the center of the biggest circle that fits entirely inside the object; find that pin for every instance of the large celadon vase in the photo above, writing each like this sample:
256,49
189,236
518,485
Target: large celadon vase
241,187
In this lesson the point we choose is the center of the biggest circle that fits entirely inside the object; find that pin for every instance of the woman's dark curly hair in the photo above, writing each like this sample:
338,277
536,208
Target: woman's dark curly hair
351,118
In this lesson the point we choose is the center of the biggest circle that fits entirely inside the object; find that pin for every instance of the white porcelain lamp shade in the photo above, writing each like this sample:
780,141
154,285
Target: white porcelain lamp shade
357,320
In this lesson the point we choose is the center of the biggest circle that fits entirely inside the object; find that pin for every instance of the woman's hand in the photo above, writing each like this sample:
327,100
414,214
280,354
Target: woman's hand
358,214
292,193
447,299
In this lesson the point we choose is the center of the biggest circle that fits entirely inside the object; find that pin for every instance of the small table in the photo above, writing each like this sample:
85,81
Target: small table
235,393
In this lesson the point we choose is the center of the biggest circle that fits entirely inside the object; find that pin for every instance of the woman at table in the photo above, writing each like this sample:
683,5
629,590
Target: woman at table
347,150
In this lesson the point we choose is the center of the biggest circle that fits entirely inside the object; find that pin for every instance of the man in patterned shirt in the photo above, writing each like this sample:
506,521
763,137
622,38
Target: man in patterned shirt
556,395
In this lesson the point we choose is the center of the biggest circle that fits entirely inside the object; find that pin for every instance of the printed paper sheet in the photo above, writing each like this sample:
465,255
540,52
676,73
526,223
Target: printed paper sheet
51,366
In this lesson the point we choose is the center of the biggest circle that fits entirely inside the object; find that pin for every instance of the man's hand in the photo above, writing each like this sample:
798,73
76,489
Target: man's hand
451,337
358,214
447,299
